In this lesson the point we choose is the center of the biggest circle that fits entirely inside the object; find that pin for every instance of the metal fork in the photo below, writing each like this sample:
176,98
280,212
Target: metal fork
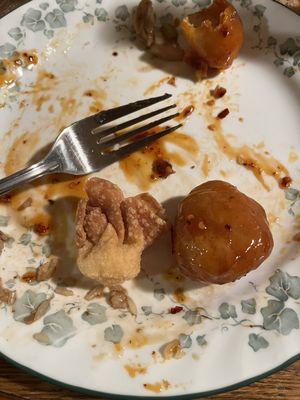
84,147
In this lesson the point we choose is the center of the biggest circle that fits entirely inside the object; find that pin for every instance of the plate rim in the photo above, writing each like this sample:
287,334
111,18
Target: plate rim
116,396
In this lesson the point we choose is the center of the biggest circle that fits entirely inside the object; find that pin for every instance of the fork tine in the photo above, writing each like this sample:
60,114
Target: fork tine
132,147
110,115
131,122
136,131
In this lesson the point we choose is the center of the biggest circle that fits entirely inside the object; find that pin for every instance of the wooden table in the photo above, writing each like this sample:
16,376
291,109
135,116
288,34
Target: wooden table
17,385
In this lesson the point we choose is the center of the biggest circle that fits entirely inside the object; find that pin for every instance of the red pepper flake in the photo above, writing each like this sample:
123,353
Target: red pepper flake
41,229
223,113
285,182
176,309
162,168
6,198
29,277
218,92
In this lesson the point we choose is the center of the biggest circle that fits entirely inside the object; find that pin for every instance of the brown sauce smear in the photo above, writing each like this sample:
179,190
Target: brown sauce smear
179,295
138,167
43,192
259,163
20,151
98,98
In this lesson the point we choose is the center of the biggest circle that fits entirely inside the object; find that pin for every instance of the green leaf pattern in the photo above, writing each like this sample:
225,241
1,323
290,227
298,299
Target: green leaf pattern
113,334
32,20
95,314
227,311
27,304
56,19
185,341
257,342
58,328
67,5
249,306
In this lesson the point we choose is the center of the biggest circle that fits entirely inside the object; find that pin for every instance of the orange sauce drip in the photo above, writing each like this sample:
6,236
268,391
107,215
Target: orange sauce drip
179,295
185,113
98,98
137,167
134,370
138,340
257,163
158,386
206,166
174,275
156,85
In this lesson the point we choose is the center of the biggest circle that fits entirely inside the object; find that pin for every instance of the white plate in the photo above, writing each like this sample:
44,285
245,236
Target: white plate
251,326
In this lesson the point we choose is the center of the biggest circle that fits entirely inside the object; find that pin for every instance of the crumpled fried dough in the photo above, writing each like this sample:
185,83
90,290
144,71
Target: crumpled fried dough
112,232
149,214
110,261
144,22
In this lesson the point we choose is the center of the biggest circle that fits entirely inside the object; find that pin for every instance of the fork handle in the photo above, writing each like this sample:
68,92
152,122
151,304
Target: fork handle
23,176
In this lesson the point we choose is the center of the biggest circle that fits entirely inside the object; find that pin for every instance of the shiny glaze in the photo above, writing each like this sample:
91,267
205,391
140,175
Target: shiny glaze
220,234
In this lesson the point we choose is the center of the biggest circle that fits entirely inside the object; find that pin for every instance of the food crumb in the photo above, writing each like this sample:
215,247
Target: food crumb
241,119
97,291
172,350
134,370
210,102
211,127
63,291
158,386
115,53
26,204
172,81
